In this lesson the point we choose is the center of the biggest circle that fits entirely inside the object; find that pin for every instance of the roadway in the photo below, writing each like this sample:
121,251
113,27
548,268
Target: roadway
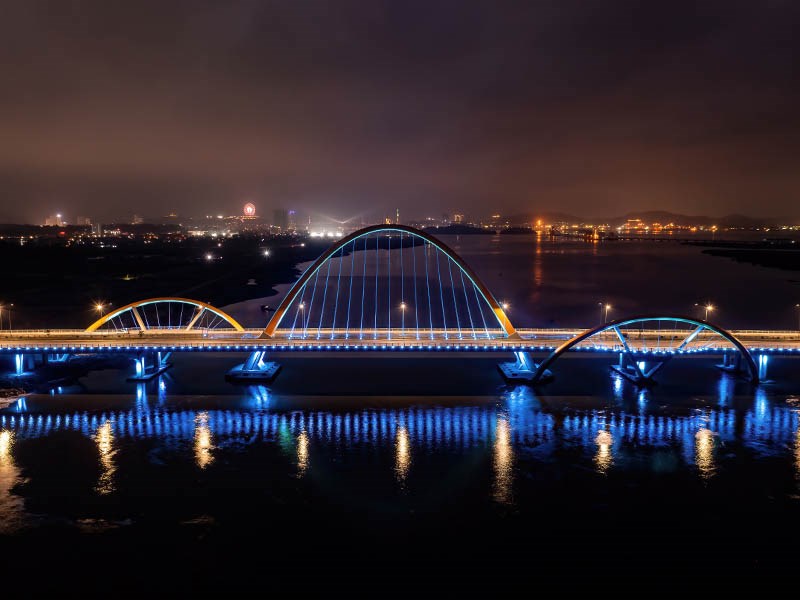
530,339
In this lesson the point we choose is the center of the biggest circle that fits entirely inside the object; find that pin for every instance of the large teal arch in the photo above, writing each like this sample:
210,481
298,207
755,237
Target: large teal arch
487,295
541,369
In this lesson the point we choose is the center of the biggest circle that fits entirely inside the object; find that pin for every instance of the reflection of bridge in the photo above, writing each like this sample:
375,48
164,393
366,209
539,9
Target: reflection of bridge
391,289
607,434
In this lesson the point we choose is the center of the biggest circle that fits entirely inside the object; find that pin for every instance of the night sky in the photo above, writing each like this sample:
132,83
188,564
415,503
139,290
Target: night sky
352,108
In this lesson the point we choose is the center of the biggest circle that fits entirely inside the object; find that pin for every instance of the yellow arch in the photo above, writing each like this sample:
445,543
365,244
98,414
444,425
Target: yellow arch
133,305
498,311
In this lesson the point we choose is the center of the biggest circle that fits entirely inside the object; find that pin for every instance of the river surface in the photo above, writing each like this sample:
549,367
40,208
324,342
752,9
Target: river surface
373,477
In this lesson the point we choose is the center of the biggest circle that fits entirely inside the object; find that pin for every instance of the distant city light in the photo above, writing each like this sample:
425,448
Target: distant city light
249,210
209,257
266,252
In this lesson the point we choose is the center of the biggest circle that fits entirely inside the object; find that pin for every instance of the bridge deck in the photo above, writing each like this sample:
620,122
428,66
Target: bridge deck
786,342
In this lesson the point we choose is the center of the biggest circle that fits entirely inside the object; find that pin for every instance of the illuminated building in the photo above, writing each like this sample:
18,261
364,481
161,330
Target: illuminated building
280,219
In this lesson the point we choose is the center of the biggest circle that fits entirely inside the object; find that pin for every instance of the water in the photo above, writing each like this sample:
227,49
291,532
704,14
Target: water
376,477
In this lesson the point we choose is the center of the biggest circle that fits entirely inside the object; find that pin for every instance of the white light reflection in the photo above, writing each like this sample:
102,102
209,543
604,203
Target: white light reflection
704,452
402,454
604,458
302,453
203,442
503,462
104,438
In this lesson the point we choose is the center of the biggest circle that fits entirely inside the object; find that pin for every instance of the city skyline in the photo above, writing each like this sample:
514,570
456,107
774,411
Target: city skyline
594,110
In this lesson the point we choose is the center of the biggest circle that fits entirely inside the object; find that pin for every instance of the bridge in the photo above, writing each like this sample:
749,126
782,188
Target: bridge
391,288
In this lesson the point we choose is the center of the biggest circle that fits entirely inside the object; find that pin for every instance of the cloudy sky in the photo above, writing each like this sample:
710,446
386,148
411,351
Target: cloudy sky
356,107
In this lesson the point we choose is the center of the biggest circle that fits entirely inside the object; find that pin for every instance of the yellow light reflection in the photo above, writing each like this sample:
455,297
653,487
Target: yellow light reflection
604,459
797,452
11,505
302,453
704,452
503,462
104,438
402,447
203,442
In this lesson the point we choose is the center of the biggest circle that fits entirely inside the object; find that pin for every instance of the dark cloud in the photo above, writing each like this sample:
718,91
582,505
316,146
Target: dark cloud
592,107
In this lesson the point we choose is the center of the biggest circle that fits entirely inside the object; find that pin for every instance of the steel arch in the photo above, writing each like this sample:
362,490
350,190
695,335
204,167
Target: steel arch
699,323
203,306
497,310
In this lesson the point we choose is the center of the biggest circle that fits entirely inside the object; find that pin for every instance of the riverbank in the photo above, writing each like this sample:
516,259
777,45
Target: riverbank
773,258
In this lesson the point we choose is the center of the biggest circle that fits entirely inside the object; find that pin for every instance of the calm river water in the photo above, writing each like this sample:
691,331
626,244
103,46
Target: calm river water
376,477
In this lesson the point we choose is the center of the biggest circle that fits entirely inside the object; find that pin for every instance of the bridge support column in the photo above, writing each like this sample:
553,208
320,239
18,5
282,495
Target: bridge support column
255,368
147,365
25,363
763,361
522,369
54,358
639,372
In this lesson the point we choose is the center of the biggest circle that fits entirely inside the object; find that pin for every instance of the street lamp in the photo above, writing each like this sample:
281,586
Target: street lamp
302,307
505,305
707,307
402,319
797,306
266,253
100,307
604,308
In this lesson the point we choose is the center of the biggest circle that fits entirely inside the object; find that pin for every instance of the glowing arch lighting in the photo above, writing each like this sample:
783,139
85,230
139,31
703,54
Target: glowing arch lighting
166,313
389,282
681,343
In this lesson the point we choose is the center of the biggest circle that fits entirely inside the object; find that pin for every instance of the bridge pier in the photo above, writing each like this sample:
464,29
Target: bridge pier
50,358
522,369
255,368
25,363
732,363
637,372
149,364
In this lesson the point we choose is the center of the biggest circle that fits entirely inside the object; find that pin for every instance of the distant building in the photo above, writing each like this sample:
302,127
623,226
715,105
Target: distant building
54,221
458,218
292,221
397,216
137,220
97,229
83,220
280,218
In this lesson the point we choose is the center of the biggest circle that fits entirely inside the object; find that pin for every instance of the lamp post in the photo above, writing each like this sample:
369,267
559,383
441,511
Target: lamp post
797,306
707,307
604,308
100,308
302,308
402,319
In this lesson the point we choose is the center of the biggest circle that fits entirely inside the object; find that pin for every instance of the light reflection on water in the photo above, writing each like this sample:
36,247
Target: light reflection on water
603,459
508,433
503,462
203,443
105,446
302,453
403,454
